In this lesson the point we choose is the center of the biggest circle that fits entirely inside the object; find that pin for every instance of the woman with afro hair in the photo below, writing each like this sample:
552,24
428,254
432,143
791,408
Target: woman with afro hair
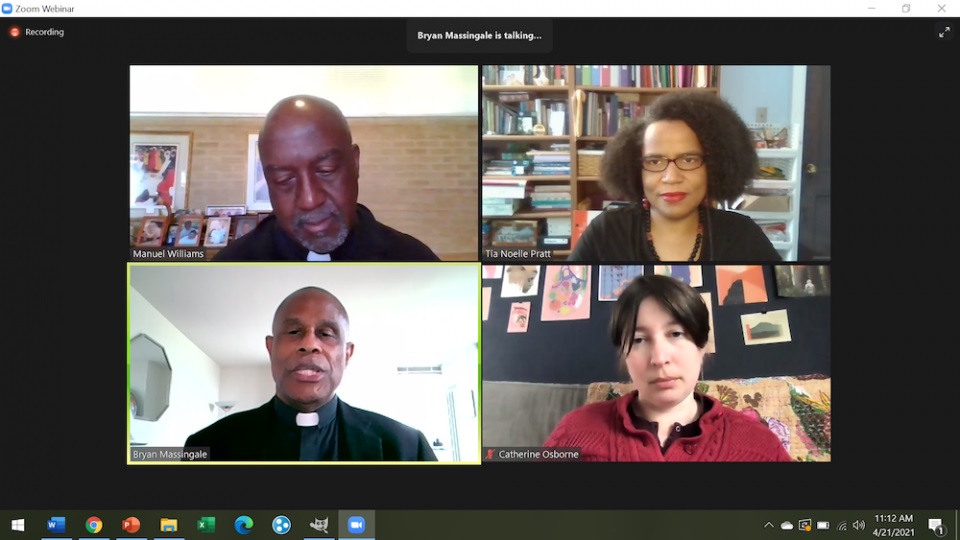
689,152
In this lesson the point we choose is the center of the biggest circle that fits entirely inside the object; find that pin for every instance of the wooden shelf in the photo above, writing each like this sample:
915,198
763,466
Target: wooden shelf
524,88
539,178
526,138
538,214
635,90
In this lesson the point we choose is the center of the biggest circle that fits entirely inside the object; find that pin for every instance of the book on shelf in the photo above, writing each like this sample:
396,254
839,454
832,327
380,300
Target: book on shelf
514,113
579,222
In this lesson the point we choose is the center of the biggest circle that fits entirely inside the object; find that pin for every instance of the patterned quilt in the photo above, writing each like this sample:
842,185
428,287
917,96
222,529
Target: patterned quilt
796,409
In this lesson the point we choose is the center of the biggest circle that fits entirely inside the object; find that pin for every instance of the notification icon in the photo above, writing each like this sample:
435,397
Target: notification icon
130,525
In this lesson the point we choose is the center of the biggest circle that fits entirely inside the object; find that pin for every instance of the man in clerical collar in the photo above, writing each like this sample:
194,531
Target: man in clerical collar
306,421
312,167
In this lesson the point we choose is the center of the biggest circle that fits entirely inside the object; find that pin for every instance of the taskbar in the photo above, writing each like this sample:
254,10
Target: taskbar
475,524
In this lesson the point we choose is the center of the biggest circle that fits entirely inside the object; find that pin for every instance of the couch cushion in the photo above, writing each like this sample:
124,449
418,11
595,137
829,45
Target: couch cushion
797,409
524,414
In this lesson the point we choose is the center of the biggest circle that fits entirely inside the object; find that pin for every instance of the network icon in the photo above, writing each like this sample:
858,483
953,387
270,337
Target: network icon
842,526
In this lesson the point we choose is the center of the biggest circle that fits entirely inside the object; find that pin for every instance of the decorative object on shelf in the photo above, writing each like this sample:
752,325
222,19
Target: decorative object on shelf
245,224
775,139
514,233
258,196
189,230
541,78
217,233
153,230
214,210
159,169
539,129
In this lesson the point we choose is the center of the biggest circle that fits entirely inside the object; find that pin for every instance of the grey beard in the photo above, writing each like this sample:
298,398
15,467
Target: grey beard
323,244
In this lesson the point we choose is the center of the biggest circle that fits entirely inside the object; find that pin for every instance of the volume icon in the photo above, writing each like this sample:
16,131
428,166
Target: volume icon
859,525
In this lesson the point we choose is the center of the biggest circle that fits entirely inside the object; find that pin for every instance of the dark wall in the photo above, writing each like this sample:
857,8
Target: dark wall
579,352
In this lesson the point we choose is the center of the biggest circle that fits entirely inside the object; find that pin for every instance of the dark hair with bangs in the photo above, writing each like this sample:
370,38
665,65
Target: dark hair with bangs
729,154
676,297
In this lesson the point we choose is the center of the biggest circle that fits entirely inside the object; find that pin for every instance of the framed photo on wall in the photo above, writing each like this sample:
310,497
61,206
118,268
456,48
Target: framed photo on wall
159,169
153,231
217,233
258,198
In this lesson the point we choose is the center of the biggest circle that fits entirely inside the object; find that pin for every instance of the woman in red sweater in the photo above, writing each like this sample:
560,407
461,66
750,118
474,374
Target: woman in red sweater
661,326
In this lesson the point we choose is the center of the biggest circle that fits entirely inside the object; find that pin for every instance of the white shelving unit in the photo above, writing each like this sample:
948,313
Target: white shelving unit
789,160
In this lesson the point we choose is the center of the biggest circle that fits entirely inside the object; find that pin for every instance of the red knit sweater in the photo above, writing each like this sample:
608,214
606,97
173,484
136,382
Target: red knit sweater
604,432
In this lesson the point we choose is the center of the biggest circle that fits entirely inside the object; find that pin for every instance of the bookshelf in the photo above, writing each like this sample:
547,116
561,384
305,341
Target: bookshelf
588,126
594,101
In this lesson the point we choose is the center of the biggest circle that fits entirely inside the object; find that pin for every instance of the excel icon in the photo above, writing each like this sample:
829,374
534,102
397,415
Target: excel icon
207,524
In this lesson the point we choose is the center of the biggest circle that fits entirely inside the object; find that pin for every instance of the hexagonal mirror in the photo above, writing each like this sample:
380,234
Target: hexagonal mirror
150,376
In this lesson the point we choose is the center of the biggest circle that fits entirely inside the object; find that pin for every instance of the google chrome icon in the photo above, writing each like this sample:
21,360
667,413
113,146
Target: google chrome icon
243,524
94,524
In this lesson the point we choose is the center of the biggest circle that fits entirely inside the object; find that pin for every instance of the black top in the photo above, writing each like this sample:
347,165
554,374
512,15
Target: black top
369,240
618,235
319,442
678,431
261,434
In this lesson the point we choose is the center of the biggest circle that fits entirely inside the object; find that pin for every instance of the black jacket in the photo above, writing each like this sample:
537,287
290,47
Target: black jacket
369,240
617,235
258,435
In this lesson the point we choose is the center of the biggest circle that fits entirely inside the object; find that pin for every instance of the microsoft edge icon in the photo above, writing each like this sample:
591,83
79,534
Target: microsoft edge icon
243,524
7,9
356,525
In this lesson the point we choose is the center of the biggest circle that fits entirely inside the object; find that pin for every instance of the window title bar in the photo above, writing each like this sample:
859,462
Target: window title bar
443,8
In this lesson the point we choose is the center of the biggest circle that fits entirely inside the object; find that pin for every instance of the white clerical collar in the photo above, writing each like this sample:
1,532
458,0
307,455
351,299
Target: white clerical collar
318,257
308,419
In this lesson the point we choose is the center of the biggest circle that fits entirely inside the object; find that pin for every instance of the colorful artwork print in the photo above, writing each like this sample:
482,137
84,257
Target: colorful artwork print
566,293
690,274
492,272
740,285
766,327
519,317
794,281
520,281
153,175
614,279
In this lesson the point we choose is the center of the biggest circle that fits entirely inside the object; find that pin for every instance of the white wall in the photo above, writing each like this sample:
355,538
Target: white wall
195,380
371,382
750,87
359,91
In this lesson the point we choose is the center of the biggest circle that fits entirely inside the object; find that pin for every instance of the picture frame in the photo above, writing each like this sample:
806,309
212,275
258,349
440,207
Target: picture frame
225,210
160,169
153,231
245,225
217,232
514,233
258,197
189,230
262,216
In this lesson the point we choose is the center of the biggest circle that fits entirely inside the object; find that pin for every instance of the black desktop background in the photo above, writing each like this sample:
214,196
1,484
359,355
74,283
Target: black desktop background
65,243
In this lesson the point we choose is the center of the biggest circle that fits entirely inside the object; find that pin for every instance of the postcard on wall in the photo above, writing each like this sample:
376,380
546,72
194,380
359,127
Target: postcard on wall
794,281
691,274
519,317
258,195
485,301
740,285
614,279
520,281
766,327
566,293
708,300
492,271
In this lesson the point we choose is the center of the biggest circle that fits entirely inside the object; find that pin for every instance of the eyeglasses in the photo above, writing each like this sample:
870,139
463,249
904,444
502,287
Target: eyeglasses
690,162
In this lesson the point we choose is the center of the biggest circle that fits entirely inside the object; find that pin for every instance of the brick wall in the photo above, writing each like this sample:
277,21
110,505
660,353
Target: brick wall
418,175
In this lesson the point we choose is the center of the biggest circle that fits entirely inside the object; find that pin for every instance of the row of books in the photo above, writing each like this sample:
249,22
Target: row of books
647,76
605,114
514,113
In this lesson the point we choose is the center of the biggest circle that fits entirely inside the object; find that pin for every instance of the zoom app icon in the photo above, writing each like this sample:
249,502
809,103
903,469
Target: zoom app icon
243,524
